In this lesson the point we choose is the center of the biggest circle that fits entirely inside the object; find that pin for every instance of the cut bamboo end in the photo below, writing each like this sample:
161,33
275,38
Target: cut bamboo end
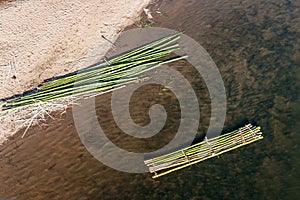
204,150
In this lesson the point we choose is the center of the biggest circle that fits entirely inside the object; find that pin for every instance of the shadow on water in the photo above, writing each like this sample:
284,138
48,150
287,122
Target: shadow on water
256,47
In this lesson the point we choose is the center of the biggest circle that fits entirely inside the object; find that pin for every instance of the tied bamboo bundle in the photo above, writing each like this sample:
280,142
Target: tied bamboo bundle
105,76
206,149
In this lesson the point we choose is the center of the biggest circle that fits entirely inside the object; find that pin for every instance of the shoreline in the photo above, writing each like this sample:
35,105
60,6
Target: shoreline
43,39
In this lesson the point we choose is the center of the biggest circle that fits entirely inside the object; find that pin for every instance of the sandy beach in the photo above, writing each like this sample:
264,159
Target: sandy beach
42,39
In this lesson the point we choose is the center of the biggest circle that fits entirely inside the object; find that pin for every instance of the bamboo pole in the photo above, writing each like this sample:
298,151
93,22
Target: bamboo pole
110,74
204,150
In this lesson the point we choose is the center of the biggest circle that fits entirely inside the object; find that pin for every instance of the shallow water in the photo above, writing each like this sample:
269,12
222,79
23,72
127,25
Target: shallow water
257,50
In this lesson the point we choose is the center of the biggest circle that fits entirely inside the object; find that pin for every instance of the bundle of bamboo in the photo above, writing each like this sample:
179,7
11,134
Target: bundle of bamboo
101,77
206,149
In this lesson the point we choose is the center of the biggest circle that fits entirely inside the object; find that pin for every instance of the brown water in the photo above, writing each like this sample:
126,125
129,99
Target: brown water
256,47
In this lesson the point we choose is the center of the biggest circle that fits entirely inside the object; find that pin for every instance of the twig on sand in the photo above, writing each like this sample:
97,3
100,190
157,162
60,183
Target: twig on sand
41,110
30,123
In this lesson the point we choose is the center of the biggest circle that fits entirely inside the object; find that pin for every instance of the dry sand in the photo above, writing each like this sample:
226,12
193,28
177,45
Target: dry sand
42,39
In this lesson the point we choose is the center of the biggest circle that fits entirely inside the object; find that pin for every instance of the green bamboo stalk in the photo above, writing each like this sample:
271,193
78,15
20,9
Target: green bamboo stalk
70,91
65,88
195,149
150,45
200,160
112,69
125,66
201,151
125,56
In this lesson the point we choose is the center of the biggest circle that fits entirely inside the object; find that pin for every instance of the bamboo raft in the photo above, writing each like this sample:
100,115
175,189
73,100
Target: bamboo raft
206,149
109,74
